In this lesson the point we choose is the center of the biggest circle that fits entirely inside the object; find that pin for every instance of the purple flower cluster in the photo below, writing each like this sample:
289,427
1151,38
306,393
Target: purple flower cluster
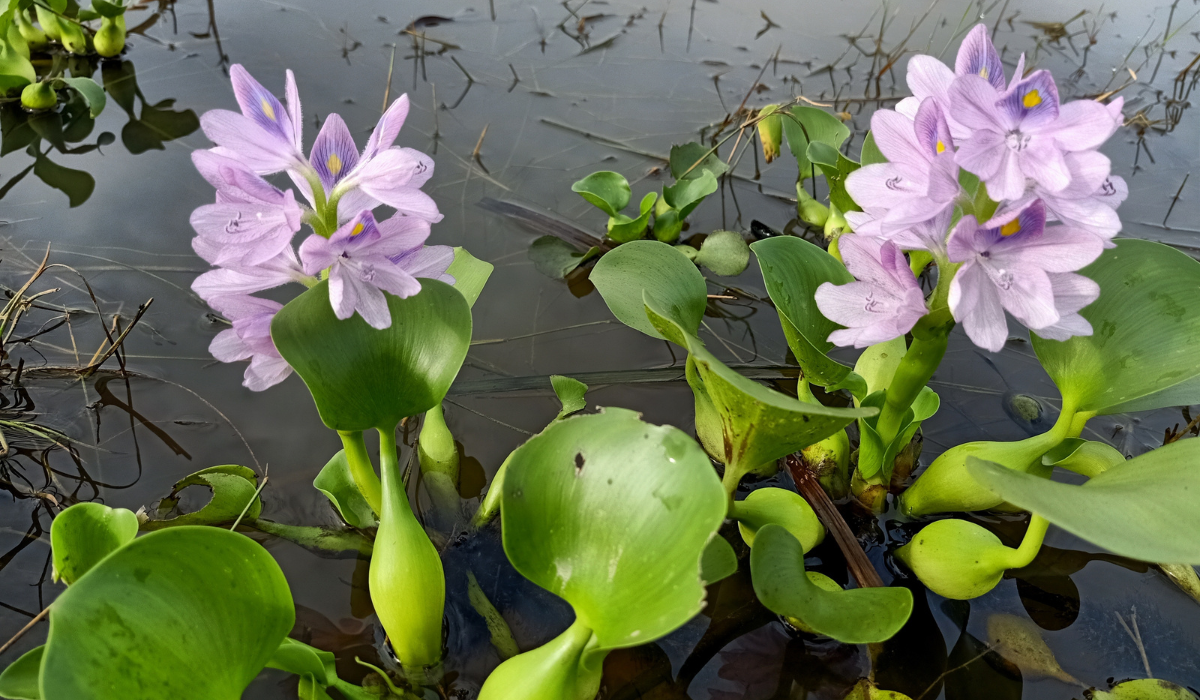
1036,159
247,233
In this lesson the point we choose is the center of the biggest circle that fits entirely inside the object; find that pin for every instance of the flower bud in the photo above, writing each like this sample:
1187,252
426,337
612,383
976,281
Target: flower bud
110,40
956,559
946,486
38,96
770,131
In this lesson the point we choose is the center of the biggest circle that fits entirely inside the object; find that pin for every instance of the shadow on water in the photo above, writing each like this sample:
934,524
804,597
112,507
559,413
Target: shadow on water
517,100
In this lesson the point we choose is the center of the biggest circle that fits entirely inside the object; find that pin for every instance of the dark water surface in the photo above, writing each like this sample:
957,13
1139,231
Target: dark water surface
561,91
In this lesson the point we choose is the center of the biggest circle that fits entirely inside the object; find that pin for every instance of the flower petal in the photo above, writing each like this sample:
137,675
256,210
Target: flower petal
388,127
972,103
983,154
975,303
262,151
334,154
1082,125
977,56
260,106
895,137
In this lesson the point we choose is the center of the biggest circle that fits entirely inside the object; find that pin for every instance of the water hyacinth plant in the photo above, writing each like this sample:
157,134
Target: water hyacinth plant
981,197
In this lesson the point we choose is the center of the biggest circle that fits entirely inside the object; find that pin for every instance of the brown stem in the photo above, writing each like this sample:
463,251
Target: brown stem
808,486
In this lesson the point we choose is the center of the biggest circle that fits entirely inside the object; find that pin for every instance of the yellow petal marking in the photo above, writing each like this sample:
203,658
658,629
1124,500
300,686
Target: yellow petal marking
983,72
1011,227
358,228
1032,99
941,147
334,164
268,109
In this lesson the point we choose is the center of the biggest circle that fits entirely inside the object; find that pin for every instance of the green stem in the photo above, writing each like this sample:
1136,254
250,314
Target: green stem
361,468
804,392
1031,543
914,372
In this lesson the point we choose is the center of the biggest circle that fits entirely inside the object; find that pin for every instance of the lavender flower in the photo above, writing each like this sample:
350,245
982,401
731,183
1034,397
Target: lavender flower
237,280
920,179
250,339
251,222
364,259
1090,201
1011,264
265,136
1023,133
884,303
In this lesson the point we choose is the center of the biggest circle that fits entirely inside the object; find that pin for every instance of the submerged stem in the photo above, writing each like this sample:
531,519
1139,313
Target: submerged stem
361,468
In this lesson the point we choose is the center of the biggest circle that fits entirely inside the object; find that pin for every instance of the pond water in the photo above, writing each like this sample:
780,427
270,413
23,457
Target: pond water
515,101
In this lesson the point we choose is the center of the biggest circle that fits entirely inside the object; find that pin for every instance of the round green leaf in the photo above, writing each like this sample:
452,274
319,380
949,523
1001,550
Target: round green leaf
685,195
613,515
1144,689
661,272
606,190
1147,508
189,612
805,125
725,253
86,533
856,616
1141,354
365,378
623,229
793,269
775,506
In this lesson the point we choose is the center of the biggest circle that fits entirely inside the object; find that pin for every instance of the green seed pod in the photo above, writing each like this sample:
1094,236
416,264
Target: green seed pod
774,506
961,560
947,487
73,39
34,37
38,96
49,22
110,40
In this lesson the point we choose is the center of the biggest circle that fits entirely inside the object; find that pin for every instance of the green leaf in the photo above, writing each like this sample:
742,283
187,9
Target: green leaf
15,69
1147,508
91,92
877,364
303,660
662,272
84,534
725,253
871,155
1086,457
836,167
685,195
759,424
623,229
555,258
108,9
233,486
693,159
1144,689
364,378
775,506
605,190
811,125
856,616
20,681
470,274
336,482
1140,355
613,514
718,561
793,269
571,393
191,612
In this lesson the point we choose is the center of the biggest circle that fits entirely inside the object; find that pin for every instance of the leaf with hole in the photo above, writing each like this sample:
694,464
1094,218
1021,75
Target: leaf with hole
233,487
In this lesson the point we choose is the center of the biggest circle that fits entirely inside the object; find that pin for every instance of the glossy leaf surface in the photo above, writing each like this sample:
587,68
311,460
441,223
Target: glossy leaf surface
807,125
606,190
793,269
233,487
613,514
1147,508
365,378
191,612
1142,351
856,616
470,274
86,533
661,272
624,229
336,482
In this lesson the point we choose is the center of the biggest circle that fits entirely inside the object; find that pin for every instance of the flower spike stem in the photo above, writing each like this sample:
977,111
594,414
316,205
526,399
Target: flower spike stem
856,559
930,337
361,468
